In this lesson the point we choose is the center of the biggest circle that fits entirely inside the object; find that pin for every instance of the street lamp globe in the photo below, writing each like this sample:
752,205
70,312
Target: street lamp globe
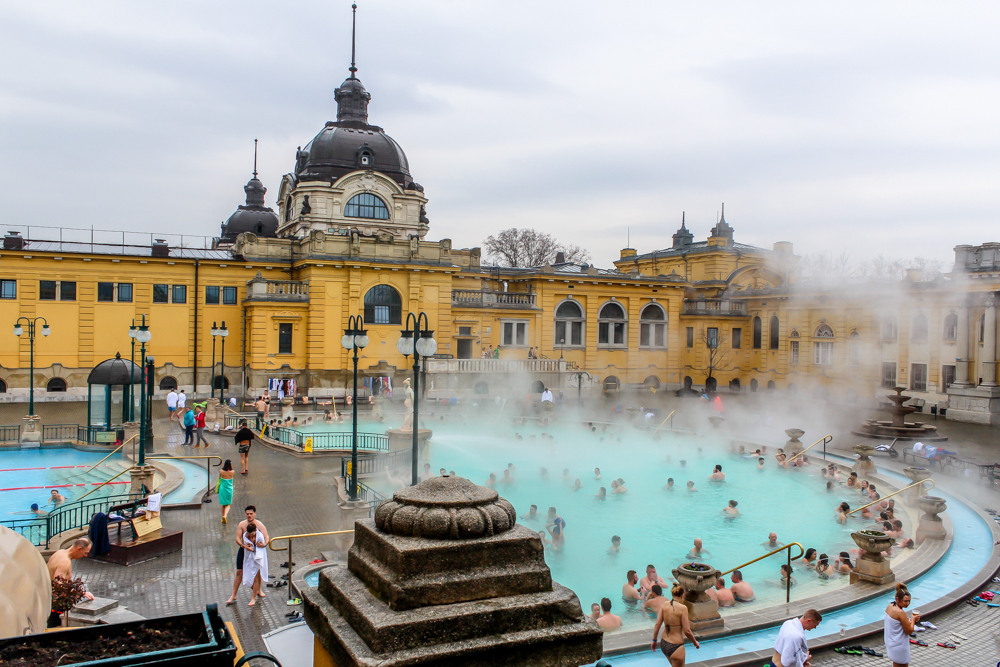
405,343
361,341
143,335
215,329
223,332
347,341
132,331
426,346
46,330
18,330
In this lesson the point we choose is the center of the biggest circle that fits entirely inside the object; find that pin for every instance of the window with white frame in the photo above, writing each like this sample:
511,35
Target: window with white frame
855,349
918,377
611,325
793,352
950,327
569,324
652,327
823,353
890,328
889,374
515,333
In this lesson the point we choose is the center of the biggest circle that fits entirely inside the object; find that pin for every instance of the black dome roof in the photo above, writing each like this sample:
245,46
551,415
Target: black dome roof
253,216
115,371
344,145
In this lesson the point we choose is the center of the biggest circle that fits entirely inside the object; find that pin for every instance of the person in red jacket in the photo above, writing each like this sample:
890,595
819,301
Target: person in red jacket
199,426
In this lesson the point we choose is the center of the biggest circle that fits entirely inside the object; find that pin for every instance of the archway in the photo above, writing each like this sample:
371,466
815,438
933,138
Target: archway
55,384
753,385
220,382
611,383
481,388
168,384
688,382
537,387
652,382
734,385
711,384
770,384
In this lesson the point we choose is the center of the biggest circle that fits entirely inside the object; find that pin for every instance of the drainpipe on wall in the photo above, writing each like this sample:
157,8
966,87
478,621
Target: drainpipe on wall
243,364
194,391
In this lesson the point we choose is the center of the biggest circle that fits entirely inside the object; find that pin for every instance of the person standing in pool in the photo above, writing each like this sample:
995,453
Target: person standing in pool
532,514
655,600
602,493
616,545
57,498
225,488
717,475
669,486
691,488
597,473
730,511
673,615
629,593
741,590
698,551
646,584
608,621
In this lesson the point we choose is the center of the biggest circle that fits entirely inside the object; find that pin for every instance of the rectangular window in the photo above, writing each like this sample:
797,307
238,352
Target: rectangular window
889,374
67,290
211,294
105,291
947,377
712,338
515,334
855,354
918,377
285,338
229,296
690,336
179,294
465,331
576,333
793,352
737,338
8,289
47,290
652,335
823,354
160,293
125,292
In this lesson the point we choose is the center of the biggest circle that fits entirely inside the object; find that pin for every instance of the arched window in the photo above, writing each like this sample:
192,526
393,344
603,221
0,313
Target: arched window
56,384
772,333
366,205
569,324
711,384
890,328
756,333
651,382
481,388
383,305
537,387
288,209
220,382
3,387
918,330
652,327
611,383
855,347
611,325
734,385
823,350
753,385
688,382
823,331
365,159
168,384
951,327
770,384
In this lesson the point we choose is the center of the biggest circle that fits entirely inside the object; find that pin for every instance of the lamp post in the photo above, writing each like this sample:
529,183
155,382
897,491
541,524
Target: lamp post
19,330
211,382
132,331
143,335
223,332
355,338
420,343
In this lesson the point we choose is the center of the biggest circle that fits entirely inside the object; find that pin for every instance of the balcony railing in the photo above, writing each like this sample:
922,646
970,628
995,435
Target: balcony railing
719,307
490,299
261,289
495,365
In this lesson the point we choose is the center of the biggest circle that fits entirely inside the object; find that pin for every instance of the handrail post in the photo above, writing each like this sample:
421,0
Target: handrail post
290,542
788,580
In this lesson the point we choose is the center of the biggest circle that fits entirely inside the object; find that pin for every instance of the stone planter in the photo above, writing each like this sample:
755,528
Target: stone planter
872,566
794,445
703,611
917,474
931,527
287,407
864,464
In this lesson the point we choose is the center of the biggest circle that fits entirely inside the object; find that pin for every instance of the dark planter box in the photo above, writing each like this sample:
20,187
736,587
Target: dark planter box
213,646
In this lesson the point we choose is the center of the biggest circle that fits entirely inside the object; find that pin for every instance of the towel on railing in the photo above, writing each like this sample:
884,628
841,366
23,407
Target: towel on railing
100,543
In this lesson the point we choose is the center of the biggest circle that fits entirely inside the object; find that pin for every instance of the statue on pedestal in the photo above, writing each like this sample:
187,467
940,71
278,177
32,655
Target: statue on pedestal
408,417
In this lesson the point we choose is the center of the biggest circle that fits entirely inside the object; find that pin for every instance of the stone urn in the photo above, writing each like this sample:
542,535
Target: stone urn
872,566
917,474
931,527
445,577
287,407
703,611
794,445
864,465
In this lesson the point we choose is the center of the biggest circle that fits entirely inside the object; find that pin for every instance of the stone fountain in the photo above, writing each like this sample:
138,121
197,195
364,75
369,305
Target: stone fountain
898,427
444,576
864,465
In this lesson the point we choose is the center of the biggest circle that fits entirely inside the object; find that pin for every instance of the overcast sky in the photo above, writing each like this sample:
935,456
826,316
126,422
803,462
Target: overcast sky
858,125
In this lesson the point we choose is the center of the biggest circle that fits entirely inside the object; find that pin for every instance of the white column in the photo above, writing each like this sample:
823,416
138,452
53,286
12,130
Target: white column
990,342
962,345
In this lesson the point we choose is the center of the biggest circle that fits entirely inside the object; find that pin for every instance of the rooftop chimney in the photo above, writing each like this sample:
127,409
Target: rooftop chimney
560,257
160,248
13,241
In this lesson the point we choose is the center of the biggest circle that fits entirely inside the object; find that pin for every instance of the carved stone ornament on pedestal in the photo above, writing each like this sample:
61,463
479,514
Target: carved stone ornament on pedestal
872,566
444,576
703,611
931,527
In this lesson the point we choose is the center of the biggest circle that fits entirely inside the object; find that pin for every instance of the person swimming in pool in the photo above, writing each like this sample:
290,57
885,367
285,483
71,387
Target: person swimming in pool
56,498
690,487
699,551
36,511
597,473
621,486
717,475
602,493
684,463
577,485
557,531
491,483
616,544
760,464
532,514
506,480
669,486
730,510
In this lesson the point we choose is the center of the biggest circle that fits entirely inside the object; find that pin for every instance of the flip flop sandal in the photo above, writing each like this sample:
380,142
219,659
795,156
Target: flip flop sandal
946,645
873,652
918,643
963,637
972,602
928,624
992,604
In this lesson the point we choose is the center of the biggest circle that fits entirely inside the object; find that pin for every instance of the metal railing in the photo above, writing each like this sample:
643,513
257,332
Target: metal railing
104,483
117,449
60,432
88,434
897,492
669,417
68,516
207,497
374,464
788,580
326,440
825,439
290,538
10,434
714,307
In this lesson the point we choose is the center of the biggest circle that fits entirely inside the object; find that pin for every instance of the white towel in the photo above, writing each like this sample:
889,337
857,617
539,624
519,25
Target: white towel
257,562
918,447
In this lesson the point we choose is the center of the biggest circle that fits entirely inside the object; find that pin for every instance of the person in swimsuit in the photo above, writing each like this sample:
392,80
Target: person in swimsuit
602,493
842,511
669,486
717,475
673,615
595,611
251,513
532,514
899,627
629,593
608,621
655,599
809,559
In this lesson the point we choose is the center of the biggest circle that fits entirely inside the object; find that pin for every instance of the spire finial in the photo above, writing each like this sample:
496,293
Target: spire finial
723,211
354,26
682,219
255,158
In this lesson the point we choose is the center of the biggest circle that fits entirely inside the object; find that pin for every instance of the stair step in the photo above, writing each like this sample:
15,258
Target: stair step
95,607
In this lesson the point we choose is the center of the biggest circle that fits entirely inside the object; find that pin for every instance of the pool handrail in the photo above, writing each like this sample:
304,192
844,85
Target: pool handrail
117,449
207,497
825,439
672,412
898,491
788,581
290,538
102,484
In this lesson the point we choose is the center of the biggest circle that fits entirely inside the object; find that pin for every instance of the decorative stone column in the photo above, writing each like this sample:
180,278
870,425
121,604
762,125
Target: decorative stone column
703,611
931,527
287,408
990,342
794,445
142,476
864,465
962,346
350,512
916,474
872,566
31,436
400,439
445,577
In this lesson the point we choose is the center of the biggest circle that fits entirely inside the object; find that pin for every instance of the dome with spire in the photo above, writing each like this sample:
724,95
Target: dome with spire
683,237
253,216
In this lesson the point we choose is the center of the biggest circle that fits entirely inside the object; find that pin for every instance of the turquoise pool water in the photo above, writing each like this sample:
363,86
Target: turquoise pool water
969,553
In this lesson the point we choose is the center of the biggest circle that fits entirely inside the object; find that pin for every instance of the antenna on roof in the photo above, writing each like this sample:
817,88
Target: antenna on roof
354,25
628,237
255,158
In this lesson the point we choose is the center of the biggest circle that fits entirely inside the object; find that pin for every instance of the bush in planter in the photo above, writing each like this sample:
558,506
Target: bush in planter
66,593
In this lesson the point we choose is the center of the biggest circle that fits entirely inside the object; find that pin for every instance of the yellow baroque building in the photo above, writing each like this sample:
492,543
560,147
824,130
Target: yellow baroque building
348,238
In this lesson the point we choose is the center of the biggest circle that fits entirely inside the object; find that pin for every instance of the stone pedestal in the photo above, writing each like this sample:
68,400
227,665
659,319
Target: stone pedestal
31,434
349,513
703,611
872,567
794,445
864,465
142,476
977,405
445,577
916,474
131,429
931,527
287,408
400,439
215,412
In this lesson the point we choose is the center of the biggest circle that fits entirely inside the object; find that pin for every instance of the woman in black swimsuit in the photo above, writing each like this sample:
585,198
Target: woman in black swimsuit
675,617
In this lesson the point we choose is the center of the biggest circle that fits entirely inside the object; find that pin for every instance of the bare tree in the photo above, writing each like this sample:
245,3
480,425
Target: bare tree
827,266
526,247
718,354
